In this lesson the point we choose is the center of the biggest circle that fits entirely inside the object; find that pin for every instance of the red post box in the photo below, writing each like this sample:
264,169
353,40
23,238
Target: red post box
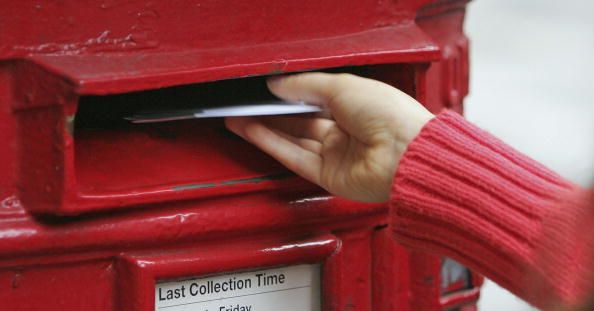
98,214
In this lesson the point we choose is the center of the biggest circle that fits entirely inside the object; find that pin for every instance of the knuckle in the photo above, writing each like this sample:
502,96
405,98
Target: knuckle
341,82
298,81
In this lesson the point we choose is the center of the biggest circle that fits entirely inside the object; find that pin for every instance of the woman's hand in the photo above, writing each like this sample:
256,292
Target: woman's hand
354,151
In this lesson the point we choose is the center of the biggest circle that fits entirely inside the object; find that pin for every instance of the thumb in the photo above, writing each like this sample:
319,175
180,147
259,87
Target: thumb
359,105
313,88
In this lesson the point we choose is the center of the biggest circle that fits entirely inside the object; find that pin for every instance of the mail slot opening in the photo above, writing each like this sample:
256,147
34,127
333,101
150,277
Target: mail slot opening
113,111
156,161
112,155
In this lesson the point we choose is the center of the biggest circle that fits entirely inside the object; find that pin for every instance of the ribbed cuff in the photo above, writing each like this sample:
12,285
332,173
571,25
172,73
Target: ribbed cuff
462,193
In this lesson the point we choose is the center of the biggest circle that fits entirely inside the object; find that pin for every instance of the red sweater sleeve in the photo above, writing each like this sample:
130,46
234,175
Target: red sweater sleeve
460,192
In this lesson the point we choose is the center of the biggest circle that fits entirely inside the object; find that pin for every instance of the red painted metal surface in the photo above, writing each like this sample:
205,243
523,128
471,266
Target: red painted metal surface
391,273
93,212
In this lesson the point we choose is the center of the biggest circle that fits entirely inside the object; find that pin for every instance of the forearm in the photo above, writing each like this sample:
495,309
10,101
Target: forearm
462,193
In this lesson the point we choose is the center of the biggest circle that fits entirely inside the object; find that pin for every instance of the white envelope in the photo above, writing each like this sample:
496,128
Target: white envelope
274,107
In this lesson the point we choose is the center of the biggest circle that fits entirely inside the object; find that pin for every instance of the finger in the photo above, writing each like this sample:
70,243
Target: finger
322,88
345,95
324,114
300,127
299,160
356,103
312,87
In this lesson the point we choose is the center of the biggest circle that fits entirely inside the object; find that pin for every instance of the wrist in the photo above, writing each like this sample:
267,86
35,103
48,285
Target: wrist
410,128
415,125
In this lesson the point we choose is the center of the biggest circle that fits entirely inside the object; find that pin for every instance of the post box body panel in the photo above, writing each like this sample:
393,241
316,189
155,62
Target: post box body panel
94,213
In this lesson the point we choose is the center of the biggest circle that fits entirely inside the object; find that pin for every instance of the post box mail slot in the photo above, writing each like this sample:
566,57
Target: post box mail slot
93,158
116,161
67,167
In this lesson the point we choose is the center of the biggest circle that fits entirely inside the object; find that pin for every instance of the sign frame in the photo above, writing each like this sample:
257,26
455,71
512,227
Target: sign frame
138,273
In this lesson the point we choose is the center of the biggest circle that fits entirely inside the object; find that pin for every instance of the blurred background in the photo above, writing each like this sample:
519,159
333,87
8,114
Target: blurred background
532,64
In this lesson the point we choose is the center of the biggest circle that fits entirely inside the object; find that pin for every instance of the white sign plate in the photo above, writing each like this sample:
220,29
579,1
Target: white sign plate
294,288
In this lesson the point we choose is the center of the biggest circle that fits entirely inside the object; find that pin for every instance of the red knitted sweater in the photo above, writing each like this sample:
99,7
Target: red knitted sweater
460,192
